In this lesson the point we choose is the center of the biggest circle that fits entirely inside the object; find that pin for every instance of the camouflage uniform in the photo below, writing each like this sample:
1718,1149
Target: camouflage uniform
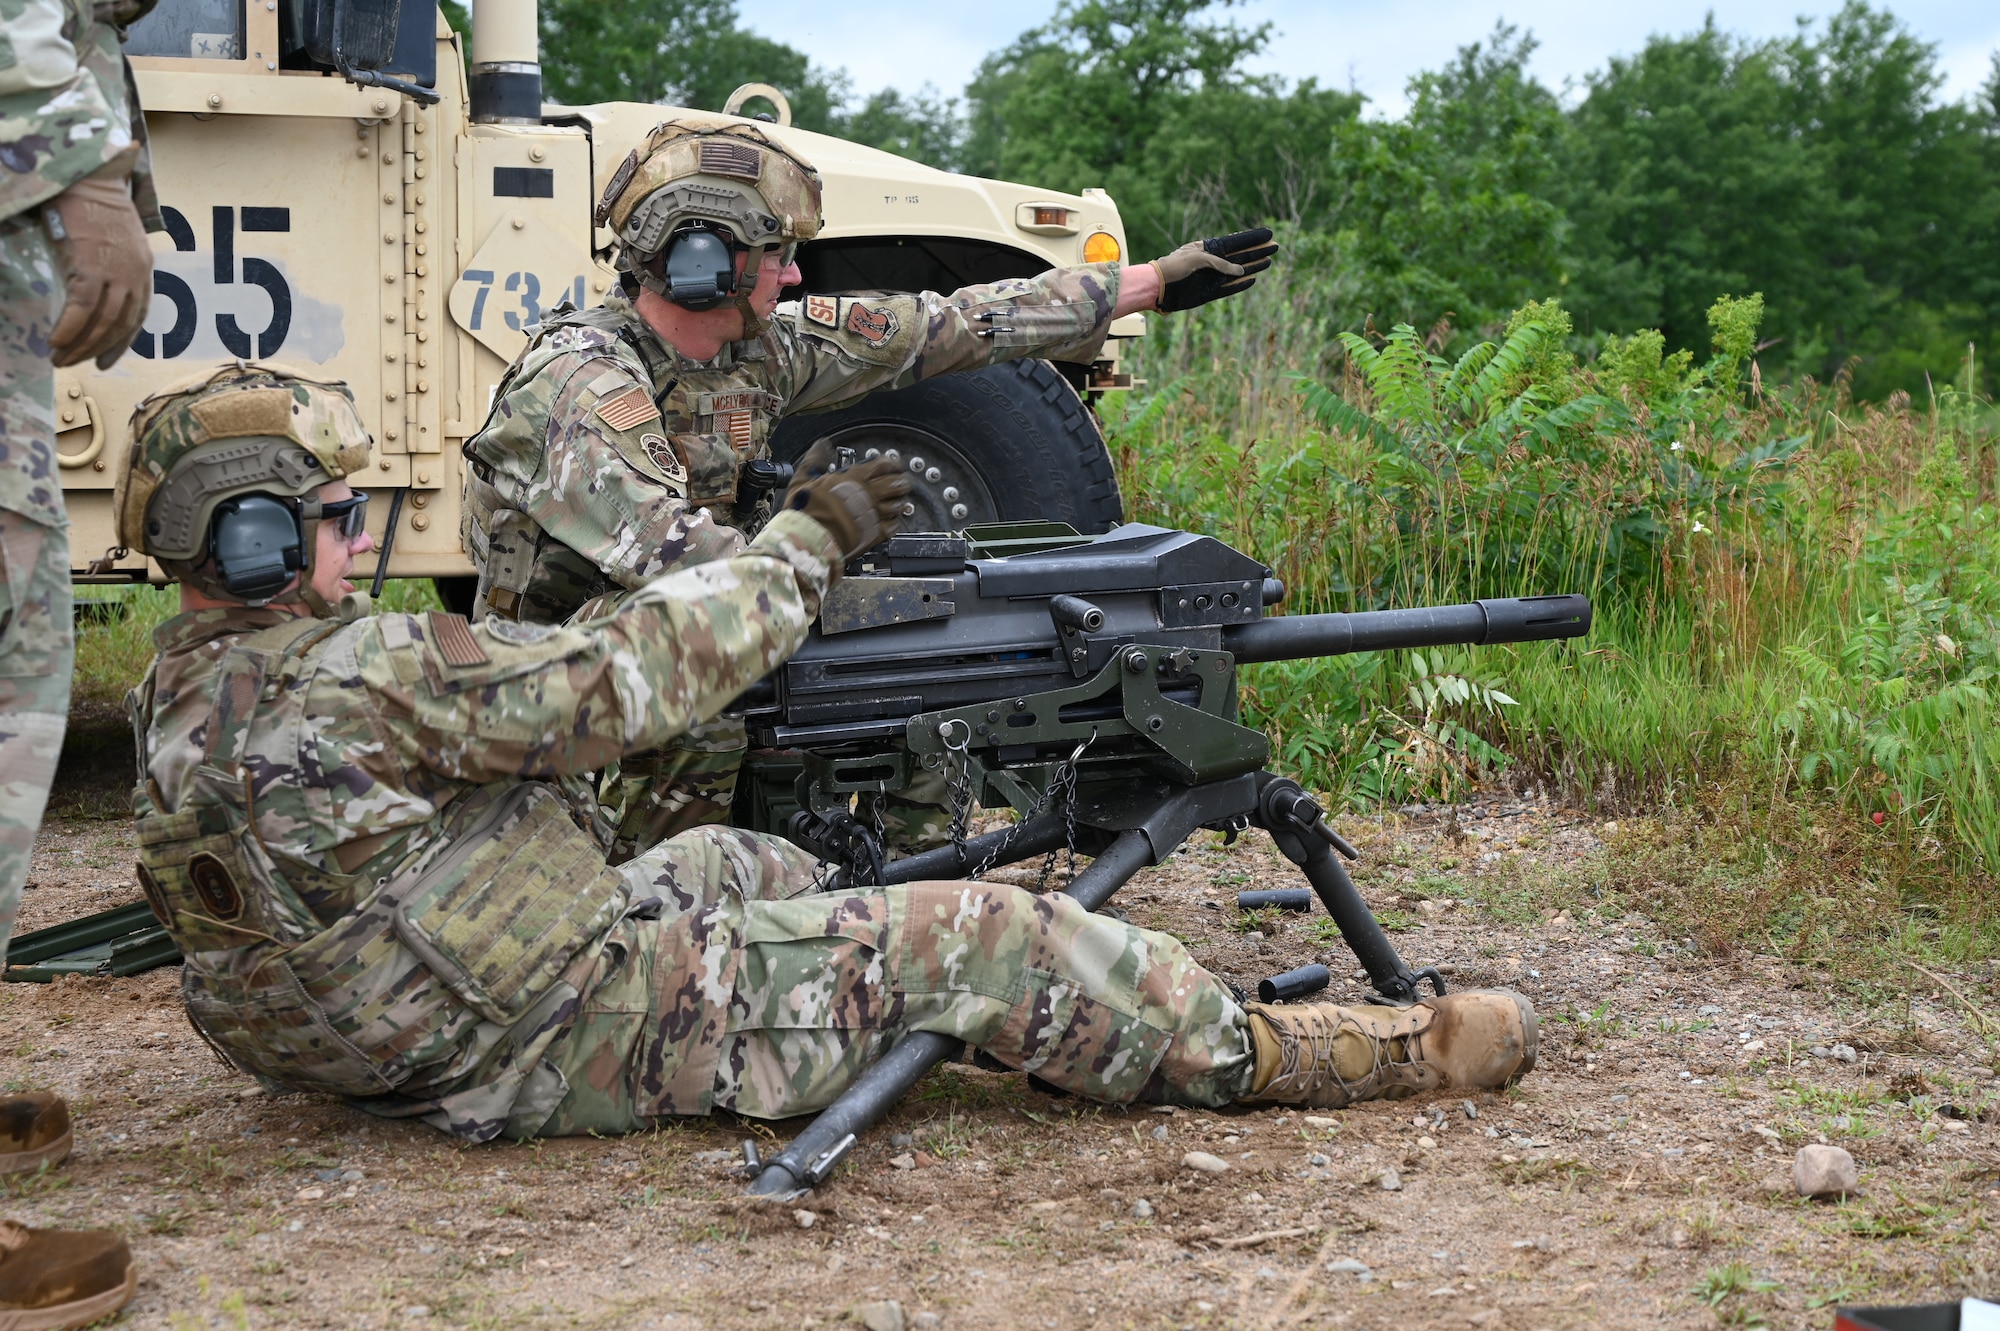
67,109
608,453
353,832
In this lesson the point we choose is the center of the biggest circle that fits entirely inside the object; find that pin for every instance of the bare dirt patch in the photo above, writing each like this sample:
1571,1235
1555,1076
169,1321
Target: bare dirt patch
1625,1183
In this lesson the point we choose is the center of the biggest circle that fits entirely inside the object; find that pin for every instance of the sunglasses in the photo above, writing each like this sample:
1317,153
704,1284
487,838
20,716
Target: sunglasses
351,513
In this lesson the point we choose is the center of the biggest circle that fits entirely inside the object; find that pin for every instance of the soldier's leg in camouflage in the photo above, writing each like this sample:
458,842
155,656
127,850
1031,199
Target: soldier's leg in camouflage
690,783
37,643
816,987
1087,1002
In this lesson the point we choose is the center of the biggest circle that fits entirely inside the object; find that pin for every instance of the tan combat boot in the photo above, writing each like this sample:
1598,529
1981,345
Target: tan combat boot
57,1278
1330,1055
34,1131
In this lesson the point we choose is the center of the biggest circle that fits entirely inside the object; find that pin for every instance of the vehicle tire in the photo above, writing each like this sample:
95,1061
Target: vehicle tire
1008,443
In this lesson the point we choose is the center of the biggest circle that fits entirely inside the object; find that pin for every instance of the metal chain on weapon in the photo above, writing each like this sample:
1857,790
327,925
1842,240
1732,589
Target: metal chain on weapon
958,781
1062,785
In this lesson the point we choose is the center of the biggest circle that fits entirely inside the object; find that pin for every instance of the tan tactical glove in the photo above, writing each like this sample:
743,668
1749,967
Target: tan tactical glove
1205,270
860,507
107,268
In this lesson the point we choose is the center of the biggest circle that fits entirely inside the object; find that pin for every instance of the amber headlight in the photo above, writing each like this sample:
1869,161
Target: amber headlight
1102,247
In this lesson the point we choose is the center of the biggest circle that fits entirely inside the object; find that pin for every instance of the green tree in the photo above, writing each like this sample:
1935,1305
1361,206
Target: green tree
1149,100
1451,210
1821,170
690,53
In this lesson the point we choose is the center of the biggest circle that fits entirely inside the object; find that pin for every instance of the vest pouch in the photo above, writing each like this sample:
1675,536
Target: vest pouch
195,877
497,910
257,1013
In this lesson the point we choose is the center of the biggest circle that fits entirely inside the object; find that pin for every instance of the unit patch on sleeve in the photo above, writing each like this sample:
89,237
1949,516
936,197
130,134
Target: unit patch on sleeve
873,326
663,456
627,409
824,310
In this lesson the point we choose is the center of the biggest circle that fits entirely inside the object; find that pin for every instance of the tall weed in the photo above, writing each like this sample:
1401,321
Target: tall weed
1797,595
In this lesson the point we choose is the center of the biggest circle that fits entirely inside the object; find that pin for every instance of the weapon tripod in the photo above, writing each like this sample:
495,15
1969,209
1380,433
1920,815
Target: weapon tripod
1131,825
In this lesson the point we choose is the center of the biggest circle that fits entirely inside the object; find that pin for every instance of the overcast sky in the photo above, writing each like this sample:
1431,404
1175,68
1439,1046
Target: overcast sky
1372,47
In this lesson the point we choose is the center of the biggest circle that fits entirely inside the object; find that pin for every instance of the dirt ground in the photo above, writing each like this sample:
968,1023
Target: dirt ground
1636,1179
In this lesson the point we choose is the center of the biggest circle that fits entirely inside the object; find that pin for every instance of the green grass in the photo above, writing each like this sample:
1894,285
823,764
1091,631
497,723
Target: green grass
1795,655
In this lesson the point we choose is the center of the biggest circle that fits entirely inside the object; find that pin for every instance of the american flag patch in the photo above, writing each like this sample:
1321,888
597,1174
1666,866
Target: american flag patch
823,310
736,425
628,409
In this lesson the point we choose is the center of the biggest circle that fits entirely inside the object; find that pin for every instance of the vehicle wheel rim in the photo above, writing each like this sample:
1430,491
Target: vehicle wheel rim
947,492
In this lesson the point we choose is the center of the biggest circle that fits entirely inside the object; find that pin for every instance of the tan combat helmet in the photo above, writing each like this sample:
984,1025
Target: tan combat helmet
242,429
716,176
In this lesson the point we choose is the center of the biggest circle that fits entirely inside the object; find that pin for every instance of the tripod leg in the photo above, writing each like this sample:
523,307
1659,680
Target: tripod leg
1293,820
814,1152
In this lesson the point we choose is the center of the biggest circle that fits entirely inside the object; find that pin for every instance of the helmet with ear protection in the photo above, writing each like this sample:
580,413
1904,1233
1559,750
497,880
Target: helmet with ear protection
697,192
219,459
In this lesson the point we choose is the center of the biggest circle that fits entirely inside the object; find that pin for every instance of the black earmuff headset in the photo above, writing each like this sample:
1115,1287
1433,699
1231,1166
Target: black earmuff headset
257,544
700,269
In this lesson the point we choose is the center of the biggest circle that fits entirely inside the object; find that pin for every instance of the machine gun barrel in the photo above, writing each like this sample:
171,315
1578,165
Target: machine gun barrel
1503,619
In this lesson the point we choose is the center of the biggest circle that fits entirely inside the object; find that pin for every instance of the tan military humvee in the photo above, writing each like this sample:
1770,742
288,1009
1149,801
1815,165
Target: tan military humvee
408,247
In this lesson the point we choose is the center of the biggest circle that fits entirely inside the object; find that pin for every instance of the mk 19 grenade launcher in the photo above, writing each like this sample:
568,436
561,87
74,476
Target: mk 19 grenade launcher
1090,683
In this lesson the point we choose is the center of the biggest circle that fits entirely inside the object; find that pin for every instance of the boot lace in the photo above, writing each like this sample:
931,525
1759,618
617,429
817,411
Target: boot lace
1306,1062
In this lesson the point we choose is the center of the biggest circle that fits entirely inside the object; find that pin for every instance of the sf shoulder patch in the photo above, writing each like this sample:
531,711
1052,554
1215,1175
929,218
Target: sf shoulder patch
873,324
627,409
823,310
663,456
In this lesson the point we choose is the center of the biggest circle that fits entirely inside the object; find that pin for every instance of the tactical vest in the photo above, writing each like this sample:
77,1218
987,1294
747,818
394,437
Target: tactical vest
524,573
475,923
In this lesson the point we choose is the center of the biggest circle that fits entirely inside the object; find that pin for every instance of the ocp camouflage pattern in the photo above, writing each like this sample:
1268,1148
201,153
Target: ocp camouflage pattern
583,497
68,105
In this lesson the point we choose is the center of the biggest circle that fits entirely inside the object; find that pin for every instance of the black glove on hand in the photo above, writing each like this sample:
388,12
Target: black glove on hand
860,507
1205,270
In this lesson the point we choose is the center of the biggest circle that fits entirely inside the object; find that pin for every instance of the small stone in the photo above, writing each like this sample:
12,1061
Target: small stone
1428,1143
903,1161
1820,1051
1442,1292
1391,1181
417,1310
1266,1273
899,1140
1206,1163
881,1315
1754,1047
926,1321
1708,1010
1845,1053
1319,1121
1318,1160
806,1219
1347,1266
1824,1171
1160,1133
1142,1209
628,1261
310,1194
1471,1109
